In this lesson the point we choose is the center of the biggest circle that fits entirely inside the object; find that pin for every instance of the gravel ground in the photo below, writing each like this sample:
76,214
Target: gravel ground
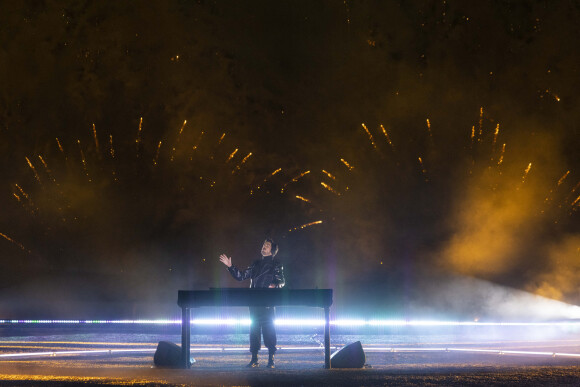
408,363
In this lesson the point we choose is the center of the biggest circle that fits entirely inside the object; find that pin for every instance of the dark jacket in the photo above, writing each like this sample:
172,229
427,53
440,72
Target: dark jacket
262,273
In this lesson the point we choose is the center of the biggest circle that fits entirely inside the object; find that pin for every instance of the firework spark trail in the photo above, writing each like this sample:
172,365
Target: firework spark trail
294,180
61,149
350,167
472,135
16,243
495,134
48,171
31,206
96,141
156,158
549,197
232,155
329,188
112,153
563,178
302,198
221,138
329,174
196,145
239,166
33,170
526,172
480,124
423,170
267,177
500,161
429,127
372,140
177,140
305,225
138,139
387,136
84,161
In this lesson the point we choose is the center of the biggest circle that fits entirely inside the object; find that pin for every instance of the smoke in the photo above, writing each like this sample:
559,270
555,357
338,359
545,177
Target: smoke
559,281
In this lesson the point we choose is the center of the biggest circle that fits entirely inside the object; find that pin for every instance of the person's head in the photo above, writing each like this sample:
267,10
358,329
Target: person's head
269,248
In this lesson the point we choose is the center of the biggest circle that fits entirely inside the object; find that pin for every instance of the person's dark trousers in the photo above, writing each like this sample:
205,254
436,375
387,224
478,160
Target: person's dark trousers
262,322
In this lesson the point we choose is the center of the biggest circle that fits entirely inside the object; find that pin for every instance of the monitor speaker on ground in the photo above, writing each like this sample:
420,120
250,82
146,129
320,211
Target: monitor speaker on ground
350,356
168,354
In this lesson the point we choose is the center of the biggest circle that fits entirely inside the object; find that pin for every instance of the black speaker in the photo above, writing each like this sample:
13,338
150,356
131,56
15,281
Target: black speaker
349,356
168,354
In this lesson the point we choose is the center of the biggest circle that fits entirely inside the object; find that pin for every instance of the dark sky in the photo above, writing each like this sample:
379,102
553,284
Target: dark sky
466,169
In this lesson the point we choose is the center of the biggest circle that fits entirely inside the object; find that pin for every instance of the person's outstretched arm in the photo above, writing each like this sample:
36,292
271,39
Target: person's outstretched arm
238,274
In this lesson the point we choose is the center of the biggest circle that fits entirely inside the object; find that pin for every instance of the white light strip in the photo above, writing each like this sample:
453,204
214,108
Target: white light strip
297,348
303,322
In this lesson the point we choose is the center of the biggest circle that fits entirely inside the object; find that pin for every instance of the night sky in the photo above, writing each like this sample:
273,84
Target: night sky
417,157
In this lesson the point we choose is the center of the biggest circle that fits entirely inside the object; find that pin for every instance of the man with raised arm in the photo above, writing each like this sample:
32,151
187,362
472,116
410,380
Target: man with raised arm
264,272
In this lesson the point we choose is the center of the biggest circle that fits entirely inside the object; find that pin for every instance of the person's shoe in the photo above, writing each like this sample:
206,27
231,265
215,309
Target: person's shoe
254,362
271,361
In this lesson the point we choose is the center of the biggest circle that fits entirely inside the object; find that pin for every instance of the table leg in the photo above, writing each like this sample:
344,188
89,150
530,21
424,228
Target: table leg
185,337
327,364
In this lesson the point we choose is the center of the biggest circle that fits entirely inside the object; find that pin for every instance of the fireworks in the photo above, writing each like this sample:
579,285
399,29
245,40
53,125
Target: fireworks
84,160
423,170
526,172
237,168
302,198
60,148
138,138
495,134
329,188
305,225
156,158
329,174
96,140
500,161
387,136
33,170
350,167
232,155
372,140
294,180
16,243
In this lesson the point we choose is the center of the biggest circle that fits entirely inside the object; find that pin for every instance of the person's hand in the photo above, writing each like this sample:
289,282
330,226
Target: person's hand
272,286
225,260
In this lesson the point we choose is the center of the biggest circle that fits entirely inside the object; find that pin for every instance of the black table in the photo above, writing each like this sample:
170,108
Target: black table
220,297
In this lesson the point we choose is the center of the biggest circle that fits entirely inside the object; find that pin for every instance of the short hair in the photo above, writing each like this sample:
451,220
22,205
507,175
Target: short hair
274,248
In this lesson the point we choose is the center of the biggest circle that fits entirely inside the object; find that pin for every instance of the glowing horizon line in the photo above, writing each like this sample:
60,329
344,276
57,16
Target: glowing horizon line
298,322
499,352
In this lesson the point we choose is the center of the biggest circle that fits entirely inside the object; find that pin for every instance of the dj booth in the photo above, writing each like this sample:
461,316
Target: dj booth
224,297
